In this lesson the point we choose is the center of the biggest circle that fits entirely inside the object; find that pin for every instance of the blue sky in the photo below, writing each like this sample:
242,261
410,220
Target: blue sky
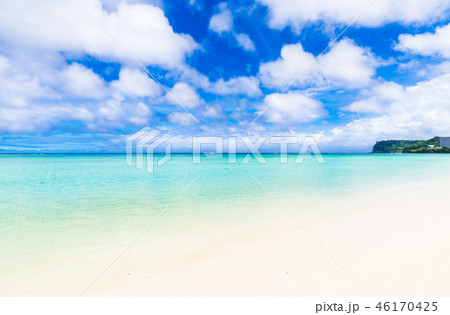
67,85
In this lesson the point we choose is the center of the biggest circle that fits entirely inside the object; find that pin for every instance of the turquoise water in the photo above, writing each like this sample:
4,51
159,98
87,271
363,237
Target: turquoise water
58,202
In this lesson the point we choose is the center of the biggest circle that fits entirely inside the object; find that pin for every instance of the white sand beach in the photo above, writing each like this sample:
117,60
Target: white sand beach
392,242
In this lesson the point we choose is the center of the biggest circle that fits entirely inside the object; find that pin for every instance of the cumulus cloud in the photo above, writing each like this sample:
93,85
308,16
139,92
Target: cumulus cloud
213,112
291,107
111,5
190,75
377,98
298,13
29,105
116,112
222,21
4,64
427,44
133,82
244,41
40,117
62,26
346,65
77,80
31,102
237,86
179,118
17,87
183,94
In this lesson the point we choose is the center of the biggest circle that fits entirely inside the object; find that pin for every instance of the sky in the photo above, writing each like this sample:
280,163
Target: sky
83,75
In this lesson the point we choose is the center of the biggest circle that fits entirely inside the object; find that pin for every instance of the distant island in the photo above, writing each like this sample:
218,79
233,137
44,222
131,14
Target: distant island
434,145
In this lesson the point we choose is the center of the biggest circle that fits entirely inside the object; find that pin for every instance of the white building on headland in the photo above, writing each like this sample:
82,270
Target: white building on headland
445,142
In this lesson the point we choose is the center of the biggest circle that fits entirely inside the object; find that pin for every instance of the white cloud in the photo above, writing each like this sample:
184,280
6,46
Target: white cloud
183,94
62,26
141,114
111,5
77,80
291,107
4,64
116,112
18,87
197,5
27,104
427,44
190,75
376,99
421,112
212,112
346,65
40,117
237,86
112,109
244,41
133,82
179,118
222,21
424,70
298,13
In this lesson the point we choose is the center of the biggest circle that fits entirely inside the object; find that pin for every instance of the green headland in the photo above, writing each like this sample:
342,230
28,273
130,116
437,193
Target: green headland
410,146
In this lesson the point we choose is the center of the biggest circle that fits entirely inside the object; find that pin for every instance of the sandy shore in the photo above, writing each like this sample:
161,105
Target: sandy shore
392,242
